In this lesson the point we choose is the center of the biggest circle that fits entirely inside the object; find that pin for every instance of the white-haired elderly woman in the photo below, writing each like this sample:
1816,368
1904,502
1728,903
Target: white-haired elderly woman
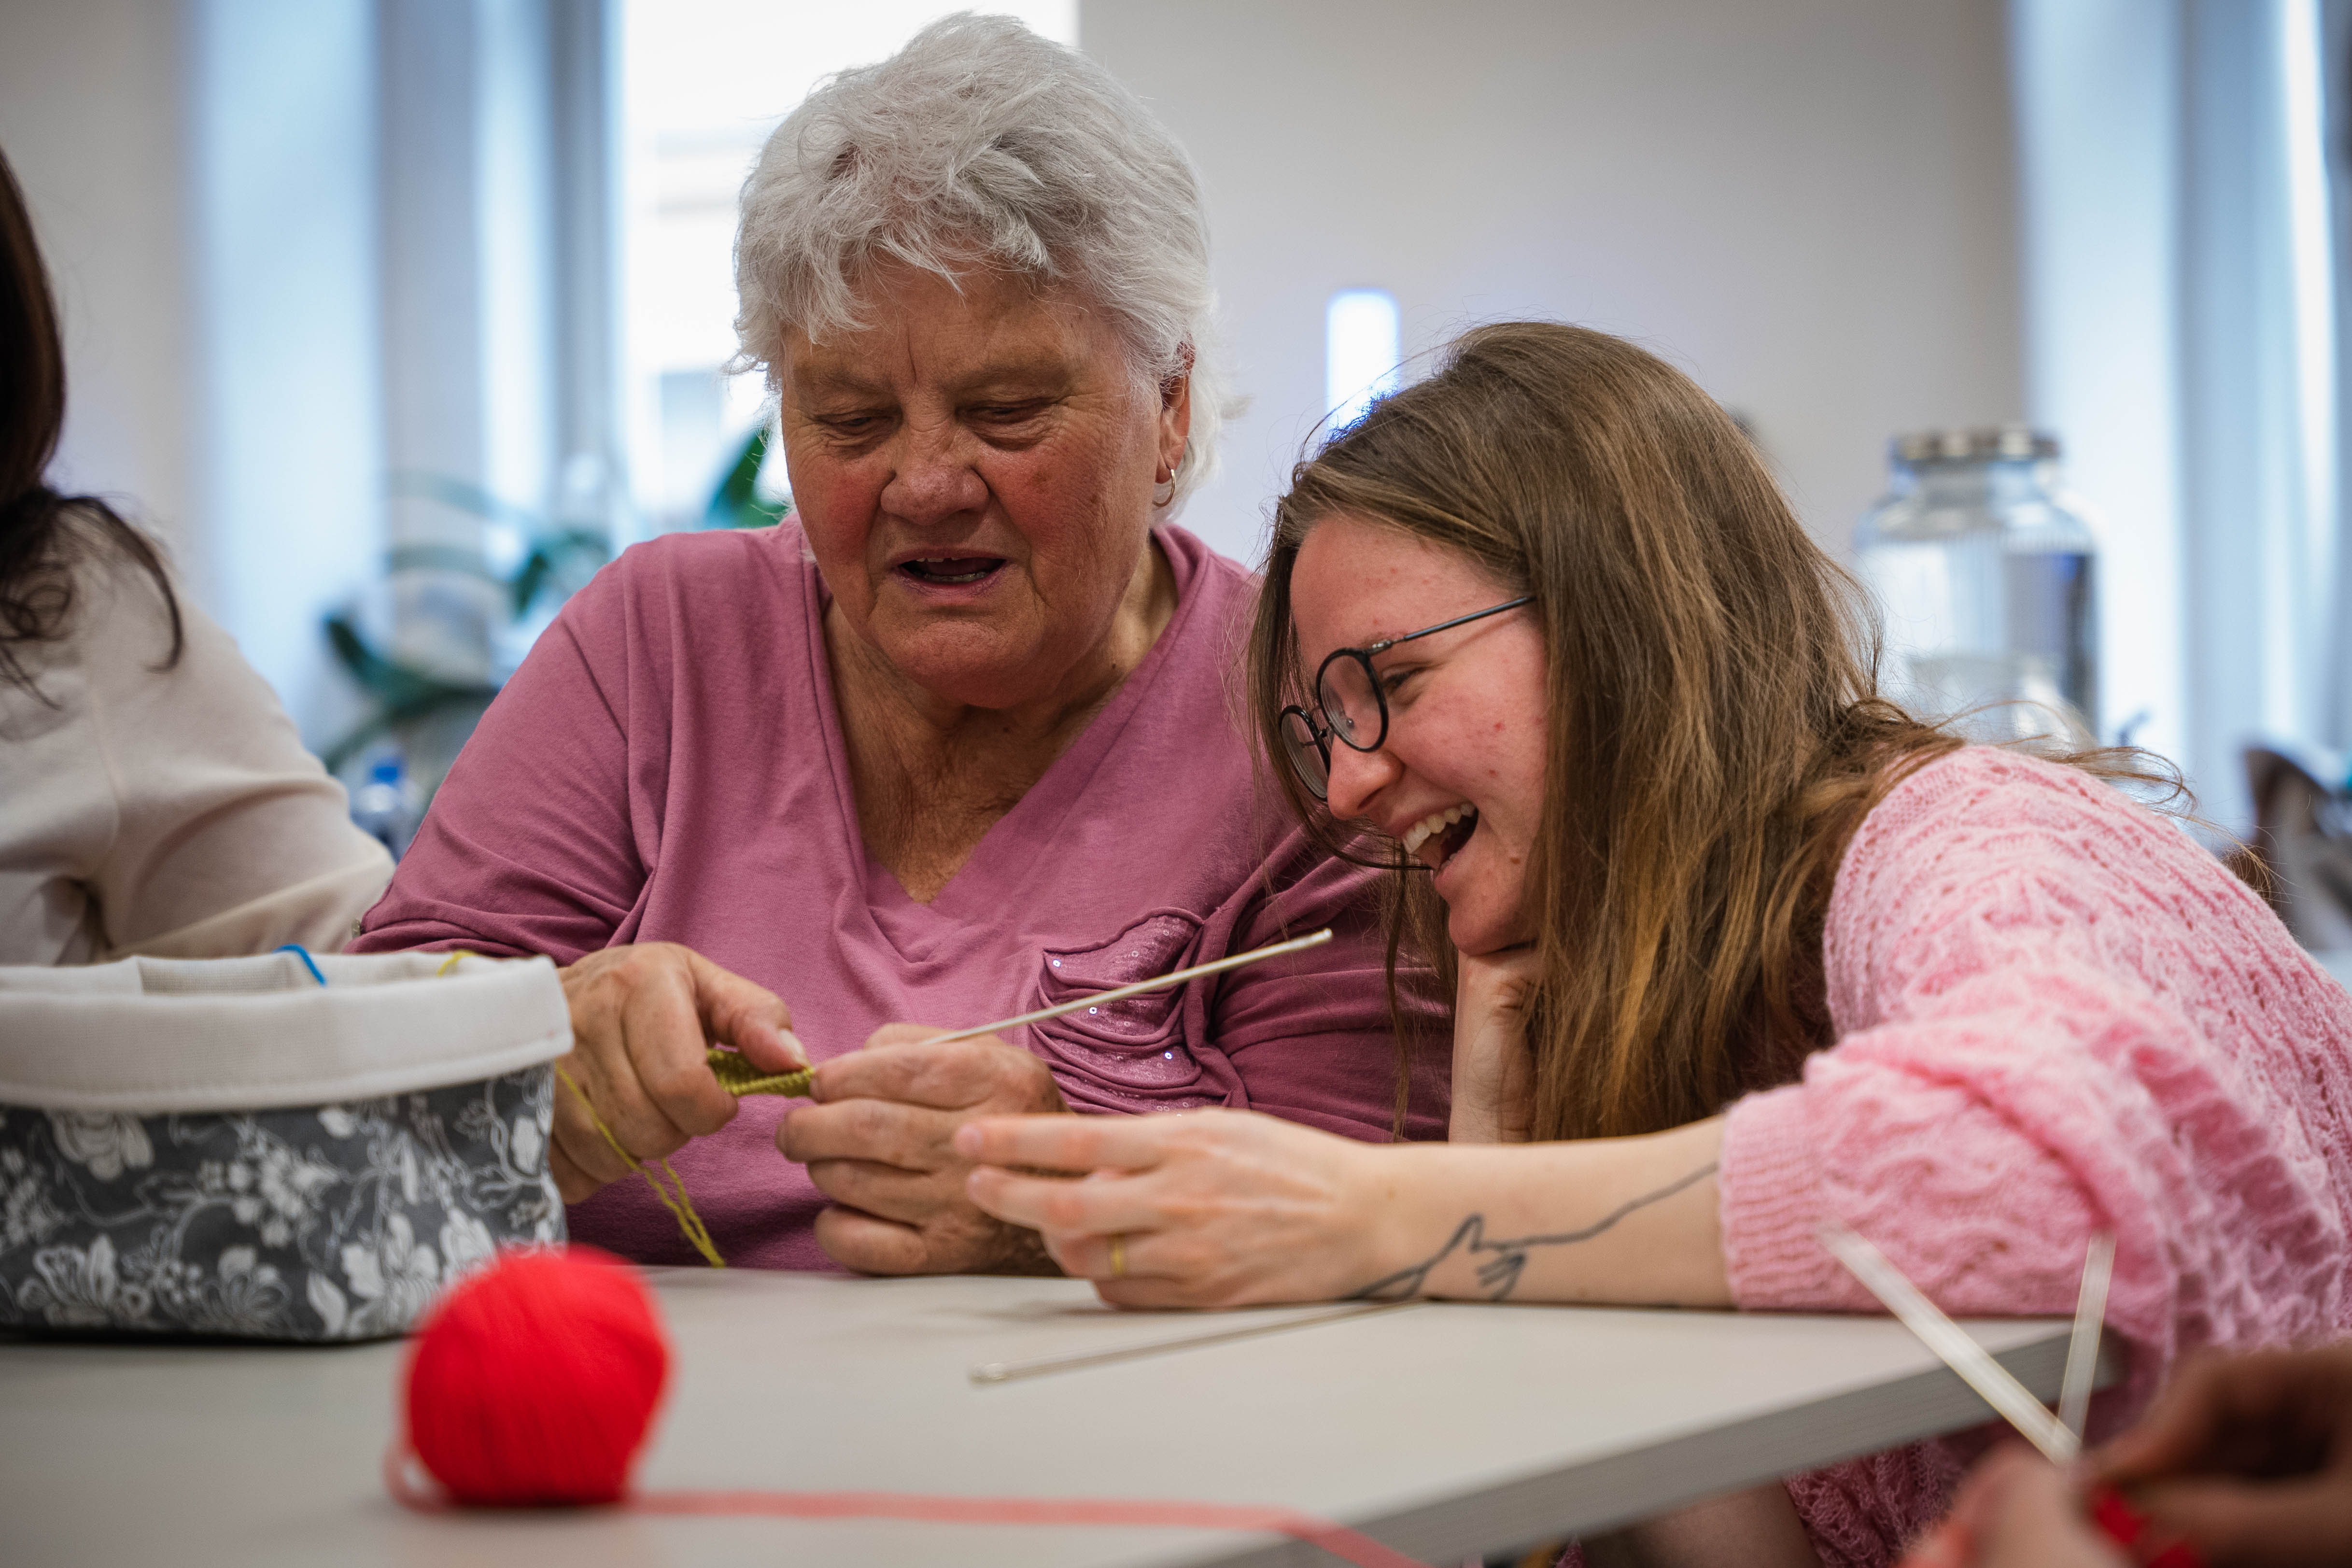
952,743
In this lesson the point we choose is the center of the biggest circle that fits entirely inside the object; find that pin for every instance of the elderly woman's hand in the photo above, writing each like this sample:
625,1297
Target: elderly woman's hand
644,1018
1203,1208
880,1144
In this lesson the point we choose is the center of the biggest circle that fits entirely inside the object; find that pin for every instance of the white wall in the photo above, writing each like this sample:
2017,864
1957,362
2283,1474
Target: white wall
1808,204
91,115
2097,85
201,175
286,412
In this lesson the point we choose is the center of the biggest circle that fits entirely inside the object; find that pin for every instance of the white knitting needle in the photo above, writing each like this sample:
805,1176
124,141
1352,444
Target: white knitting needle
1296,944
1951,1343
2083,1351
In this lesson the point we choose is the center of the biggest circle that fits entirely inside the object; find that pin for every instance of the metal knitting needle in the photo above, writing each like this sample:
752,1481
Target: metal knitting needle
1296,944
2083,1351
1951,1343
1013,1371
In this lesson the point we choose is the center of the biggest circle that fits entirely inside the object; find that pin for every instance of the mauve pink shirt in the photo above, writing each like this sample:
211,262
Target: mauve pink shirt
668,766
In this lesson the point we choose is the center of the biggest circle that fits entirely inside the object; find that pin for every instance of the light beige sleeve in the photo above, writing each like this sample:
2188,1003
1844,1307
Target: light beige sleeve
230,837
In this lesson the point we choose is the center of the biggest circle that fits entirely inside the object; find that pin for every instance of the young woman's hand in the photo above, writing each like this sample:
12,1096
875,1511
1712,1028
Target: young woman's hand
1494,1071
1208,1208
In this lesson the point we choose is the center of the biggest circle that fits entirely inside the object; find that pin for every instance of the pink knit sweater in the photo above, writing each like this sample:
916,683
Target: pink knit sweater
2056,1014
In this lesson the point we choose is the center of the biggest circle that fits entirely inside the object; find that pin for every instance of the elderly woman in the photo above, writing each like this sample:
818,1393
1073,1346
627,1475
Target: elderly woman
952,743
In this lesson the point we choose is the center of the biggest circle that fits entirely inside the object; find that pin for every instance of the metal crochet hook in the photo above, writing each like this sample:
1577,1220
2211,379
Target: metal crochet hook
1096,999
1013,1371
2060,1440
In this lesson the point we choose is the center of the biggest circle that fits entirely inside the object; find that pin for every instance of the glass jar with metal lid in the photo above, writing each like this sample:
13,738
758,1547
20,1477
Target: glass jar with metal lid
1986,574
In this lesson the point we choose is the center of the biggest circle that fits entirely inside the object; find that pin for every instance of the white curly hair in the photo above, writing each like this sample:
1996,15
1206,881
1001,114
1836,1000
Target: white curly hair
981,144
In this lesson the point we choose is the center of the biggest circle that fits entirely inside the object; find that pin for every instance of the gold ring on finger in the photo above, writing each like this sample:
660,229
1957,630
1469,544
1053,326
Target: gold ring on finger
1119,1257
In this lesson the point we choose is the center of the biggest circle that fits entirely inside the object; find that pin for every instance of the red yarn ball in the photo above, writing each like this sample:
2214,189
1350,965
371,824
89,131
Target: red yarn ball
534,1381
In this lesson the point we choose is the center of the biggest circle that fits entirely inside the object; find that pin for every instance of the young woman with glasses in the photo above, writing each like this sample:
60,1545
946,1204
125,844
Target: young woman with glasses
1737,946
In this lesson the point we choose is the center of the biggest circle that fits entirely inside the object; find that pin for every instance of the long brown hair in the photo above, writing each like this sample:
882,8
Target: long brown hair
1715,730
37,546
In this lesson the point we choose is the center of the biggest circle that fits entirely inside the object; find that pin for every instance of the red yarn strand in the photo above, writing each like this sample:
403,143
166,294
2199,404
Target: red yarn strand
1348,1545
535,1384
1337,1539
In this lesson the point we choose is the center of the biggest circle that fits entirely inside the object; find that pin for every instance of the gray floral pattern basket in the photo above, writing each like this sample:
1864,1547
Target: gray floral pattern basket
227,1147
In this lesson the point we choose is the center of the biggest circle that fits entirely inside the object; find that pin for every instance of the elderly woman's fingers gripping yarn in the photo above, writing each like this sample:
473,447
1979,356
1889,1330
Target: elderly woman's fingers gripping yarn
644,1019
901,1063
749,1016
638,1025
602,1121
738,1078
660,1091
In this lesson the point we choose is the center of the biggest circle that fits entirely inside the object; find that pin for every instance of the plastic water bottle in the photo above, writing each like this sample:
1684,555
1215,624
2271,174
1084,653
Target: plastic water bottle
385,807
1987,579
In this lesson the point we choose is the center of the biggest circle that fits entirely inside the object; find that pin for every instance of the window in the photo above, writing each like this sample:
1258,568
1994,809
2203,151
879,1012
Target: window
704,82
1360,352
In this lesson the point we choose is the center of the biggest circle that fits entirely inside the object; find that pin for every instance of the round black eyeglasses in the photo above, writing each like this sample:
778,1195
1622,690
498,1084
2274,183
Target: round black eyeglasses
1354,710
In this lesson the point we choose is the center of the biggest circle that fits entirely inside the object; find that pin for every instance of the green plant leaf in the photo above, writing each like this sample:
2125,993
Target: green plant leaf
736,502
549,555
402,694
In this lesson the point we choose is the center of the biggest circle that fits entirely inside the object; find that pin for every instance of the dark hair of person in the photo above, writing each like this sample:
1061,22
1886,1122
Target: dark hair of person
38,540
1716,727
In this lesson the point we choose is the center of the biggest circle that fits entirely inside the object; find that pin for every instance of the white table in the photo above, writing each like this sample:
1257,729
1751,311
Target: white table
1446,1431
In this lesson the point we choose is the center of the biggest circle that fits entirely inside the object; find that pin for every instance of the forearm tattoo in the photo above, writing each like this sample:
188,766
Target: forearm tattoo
1499,1274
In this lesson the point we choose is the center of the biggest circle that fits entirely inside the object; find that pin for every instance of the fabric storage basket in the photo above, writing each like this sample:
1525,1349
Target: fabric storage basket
230,1147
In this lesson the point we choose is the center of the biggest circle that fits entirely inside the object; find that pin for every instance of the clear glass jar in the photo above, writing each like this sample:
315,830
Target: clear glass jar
1988,581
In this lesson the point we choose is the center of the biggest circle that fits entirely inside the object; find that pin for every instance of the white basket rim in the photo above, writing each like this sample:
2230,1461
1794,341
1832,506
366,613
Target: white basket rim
154,1036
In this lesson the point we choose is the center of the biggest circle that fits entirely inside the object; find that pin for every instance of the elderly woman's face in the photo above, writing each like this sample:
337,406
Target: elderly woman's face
975,471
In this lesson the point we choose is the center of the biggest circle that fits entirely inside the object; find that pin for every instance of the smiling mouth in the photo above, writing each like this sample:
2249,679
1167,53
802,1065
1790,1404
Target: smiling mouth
1446,831
951,571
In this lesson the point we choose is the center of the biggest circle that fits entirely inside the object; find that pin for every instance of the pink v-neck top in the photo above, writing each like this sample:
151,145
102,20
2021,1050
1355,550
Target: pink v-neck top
668,766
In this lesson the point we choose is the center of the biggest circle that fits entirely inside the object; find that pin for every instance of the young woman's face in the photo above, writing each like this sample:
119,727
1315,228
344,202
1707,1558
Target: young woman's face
1466,715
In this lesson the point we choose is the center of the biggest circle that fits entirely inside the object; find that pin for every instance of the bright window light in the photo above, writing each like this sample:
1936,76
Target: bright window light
1360,352
704,82
2302,573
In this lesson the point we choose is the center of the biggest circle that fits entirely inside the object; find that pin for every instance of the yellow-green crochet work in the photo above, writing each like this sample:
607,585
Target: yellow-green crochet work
738,1078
